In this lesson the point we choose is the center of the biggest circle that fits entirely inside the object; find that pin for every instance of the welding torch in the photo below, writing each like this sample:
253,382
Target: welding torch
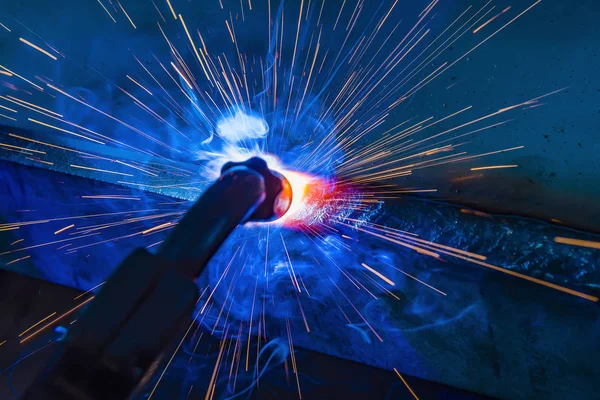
143,310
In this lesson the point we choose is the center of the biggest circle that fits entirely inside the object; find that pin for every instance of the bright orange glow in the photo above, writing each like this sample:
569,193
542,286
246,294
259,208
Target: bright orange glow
300,184
307,195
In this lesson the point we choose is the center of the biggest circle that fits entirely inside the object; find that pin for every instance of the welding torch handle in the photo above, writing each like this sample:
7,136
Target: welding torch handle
227,203
134,320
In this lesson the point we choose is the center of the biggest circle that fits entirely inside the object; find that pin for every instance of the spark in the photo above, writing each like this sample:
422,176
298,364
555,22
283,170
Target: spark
171,359
387,15
49,145
534,280
44,221
22,78
298,33
420,281
415,248
467,178
139,84
99,170
230,31
71,311
251,319
9,109
182,76
64,130
200,61
475,212
64,229
219,281
88,291
292,273
37,323
127,15
109,197
109,14
147,231
212,385
491,20
576,242
38,48
145,171
4,26
159,13
406,384
110,116
39,161
379,274
293,355
22,148
338,17
154,244
493,34
17,260
172,10
24,103
494,167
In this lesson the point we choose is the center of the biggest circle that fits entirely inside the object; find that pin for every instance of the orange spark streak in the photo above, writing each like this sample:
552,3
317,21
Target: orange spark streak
19,101
64,130
195,48
99,170
111,117
94,288
22,148
294,279
535,280
139,84
230,32
182,76
37,323
380,275
494,167
17,260
127,15
38,48
156,228
172,10
7,117
20,77
417,249
57,319
491,20
6,108
40,161
576,242
109,14
115,197
406,384
64,229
